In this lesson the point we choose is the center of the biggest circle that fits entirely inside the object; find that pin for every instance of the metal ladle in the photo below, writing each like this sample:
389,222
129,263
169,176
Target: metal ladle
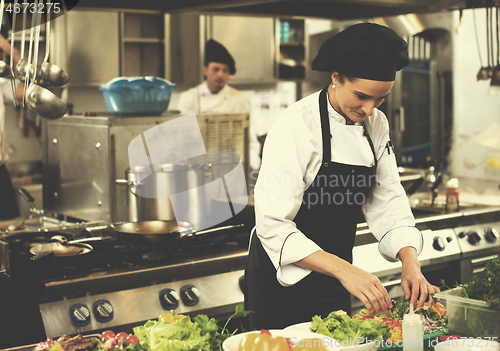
23,66
12,41
53,74
41,100
4,67
484,72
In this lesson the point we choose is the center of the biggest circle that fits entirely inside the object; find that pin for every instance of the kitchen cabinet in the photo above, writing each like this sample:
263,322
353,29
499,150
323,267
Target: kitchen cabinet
251,42
142,44
89,39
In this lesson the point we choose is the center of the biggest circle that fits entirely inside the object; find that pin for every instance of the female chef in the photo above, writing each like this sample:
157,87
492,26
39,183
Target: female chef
327,160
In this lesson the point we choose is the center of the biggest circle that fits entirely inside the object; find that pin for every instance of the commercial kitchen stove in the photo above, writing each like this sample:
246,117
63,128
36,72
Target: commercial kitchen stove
117,286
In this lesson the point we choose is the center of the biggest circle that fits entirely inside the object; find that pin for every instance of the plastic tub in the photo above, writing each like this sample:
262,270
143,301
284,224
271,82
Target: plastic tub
469,317
137,95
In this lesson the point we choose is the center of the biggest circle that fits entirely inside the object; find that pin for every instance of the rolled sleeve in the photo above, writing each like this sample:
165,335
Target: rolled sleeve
296,247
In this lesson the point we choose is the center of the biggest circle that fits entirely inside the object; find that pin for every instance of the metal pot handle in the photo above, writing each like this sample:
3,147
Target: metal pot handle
130,184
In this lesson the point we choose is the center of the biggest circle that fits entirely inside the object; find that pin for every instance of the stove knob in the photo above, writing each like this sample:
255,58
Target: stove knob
169,299
491,235
462,235
103,311
190,295
438,243
79,314
473,238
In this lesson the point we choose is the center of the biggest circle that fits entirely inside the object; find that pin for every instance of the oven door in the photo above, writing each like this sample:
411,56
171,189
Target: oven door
4,261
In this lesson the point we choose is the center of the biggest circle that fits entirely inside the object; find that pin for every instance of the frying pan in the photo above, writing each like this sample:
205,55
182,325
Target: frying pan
159,233
61,247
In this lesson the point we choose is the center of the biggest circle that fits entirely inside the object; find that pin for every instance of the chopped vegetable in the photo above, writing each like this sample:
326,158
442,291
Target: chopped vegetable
353,331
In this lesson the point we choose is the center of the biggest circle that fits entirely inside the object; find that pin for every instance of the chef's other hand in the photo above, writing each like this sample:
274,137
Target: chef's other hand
366,287
413,282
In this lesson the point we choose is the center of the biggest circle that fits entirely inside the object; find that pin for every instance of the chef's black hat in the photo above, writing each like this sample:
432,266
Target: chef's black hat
216,52
364,50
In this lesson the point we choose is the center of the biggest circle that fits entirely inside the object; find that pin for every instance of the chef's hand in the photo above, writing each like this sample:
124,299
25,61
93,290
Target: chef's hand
413,282
365,286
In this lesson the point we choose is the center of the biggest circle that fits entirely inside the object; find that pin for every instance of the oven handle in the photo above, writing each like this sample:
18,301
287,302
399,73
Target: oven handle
391,283
483,259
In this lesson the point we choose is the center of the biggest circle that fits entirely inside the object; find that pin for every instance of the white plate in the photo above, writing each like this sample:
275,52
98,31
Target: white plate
479,344
305,327
232,343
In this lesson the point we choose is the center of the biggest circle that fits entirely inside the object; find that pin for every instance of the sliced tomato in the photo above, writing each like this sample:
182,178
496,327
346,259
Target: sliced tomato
368,317
265,331
132,339
108,334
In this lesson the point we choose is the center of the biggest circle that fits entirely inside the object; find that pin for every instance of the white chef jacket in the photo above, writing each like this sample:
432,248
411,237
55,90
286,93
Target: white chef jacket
5,96
292,157
200,99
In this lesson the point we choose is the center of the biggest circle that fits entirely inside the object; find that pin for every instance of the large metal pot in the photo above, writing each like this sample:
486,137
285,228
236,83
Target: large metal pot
149,193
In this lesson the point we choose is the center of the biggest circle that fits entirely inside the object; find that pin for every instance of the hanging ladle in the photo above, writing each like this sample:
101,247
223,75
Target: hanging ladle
23,66
484,72
12,78
4,67
495,75
41,100
53,74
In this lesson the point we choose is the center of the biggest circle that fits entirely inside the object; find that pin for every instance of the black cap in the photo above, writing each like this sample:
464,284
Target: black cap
364,50
216,52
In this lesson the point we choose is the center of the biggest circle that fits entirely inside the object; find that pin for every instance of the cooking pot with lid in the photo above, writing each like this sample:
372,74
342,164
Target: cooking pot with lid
149,193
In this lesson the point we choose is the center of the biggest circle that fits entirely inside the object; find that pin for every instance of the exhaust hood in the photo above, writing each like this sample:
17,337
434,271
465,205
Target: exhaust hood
328,9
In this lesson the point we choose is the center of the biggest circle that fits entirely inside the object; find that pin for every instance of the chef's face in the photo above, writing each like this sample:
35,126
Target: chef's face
356,99
217,75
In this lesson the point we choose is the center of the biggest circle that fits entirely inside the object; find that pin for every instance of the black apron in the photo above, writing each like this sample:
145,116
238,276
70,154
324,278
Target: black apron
328,215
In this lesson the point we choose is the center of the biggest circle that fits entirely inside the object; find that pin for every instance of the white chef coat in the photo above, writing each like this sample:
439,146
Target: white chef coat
5,96
200,99
292,157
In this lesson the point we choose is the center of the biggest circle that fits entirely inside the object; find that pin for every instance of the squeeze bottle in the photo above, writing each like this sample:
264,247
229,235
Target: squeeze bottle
413,333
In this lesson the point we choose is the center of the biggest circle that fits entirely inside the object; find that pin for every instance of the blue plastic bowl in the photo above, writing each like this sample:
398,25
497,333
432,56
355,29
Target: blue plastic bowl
137,95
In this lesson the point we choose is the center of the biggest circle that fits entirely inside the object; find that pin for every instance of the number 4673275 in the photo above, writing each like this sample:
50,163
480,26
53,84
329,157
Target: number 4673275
32,8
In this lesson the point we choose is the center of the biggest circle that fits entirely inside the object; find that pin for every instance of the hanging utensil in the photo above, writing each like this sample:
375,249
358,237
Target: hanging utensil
13,30
22,65
39,99
489,41
495,76
53,74
482,74
4,67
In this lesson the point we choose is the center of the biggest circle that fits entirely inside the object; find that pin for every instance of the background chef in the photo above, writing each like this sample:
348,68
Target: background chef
214,95
327,160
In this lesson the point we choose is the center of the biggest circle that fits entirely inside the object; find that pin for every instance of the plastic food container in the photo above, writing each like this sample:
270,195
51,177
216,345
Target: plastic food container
469,317
137,95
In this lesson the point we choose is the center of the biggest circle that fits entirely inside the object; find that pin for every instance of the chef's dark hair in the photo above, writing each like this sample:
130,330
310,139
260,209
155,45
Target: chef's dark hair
364,50
216,52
